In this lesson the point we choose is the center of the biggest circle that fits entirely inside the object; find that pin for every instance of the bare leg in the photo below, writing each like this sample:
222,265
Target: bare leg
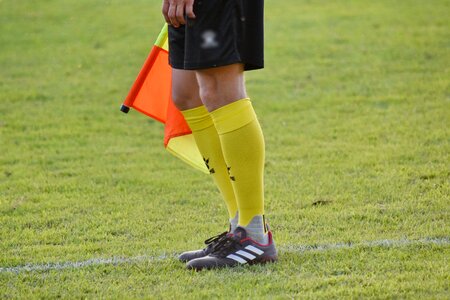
185,91
221,86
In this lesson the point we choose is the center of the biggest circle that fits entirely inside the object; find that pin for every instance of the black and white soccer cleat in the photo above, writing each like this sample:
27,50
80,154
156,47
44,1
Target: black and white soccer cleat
236,249
210,244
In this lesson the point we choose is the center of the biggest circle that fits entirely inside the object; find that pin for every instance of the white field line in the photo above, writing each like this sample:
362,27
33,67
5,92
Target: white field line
287,249
367,244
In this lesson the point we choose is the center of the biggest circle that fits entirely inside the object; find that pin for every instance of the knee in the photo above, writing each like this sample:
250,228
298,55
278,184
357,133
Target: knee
209,92
221,86
207,95
184,99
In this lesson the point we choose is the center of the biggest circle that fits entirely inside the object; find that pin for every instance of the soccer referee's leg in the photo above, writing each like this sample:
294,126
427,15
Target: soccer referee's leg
223,92
185,93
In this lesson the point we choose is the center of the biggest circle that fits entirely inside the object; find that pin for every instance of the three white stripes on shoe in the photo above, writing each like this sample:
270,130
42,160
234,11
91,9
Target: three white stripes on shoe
245,254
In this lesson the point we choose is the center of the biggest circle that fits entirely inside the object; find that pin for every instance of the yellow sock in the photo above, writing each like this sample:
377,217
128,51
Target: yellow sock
208,142
243,149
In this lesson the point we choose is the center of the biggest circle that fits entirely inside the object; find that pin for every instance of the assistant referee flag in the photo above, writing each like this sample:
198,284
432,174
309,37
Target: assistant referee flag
151,95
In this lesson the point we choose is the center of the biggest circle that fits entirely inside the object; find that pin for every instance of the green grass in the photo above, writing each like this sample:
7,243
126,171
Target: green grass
354,104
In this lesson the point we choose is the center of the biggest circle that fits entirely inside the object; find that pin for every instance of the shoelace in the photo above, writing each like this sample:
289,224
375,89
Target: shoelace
215,239
226,245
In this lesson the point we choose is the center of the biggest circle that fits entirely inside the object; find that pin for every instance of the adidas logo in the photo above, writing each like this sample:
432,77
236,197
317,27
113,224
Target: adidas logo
244,257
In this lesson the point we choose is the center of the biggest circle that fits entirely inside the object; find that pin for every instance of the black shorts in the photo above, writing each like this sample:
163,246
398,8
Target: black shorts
224,32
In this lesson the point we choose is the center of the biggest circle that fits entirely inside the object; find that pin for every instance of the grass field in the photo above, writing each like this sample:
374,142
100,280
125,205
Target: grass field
354,104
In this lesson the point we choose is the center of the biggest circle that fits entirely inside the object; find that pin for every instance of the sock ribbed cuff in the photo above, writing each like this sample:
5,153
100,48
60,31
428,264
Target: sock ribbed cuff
233,116
198,118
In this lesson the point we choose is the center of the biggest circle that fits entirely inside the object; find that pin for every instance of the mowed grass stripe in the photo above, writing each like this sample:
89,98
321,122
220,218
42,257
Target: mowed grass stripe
285,249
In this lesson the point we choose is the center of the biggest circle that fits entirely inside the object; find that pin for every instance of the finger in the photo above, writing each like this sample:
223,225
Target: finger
190,9
172,16
180,14
165,10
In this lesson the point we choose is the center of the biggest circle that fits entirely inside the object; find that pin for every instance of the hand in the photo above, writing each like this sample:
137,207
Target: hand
173,11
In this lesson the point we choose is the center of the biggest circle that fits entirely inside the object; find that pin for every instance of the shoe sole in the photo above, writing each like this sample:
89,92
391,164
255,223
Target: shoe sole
266,260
